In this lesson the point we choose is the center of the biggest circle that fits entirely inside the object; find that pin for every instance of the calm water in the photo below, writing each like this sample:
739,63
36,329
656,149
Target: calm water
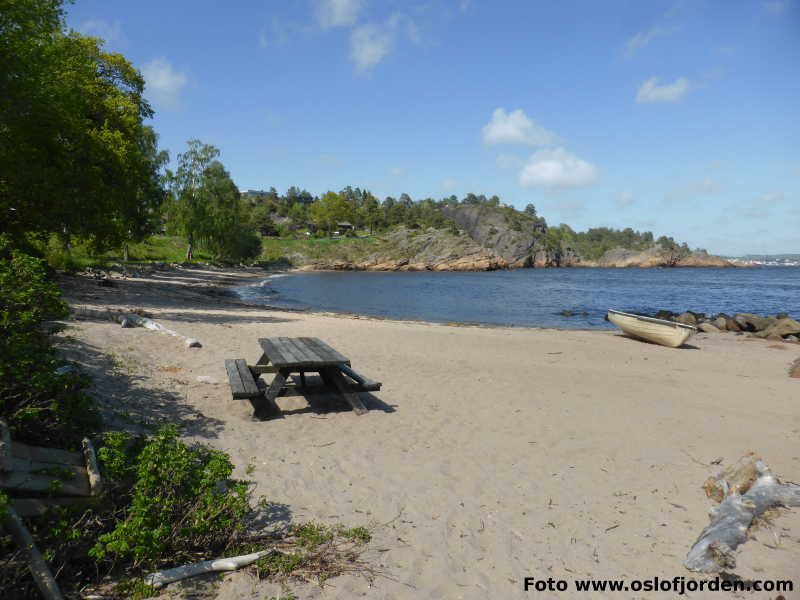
534,297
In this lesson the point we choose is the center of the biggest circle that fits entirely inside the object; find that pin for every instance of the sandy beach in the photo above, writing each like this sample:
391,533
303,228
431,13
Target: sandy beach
490,454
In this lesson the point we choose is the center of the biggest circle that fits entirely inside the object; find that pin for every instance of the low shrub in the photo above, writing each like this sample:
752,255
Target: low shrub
183,499
38,405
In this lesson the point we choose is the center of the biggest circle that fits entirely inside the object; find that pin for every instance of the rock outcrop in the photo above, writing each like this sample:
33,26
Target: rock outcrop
418,250
517,238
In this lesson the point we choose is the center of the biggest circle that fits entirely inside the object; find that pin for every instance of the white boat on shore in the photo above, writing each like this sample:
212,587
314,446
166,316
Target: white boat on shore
658,331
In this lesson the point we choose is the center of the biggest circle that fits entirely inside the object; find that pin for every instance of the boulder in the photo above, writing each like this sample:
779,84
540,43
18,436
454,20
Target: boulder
792,338
781,315
686,318
732,325
720,323
567,313
751,322
665,315
784,327
708,328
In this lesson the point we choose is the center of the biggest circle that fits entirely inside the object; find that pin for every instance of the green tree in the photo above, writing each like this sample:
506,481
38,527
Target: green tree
329,210
75,157
530,209
187,212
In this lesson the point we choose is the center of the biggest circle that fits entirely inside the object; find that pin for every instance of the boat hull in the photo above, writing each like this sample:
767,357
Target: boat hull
658,331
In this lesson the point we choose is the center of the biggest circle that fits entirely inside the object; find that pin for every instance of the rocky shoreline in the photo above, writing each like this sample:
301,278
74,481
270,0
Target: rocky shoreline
780,327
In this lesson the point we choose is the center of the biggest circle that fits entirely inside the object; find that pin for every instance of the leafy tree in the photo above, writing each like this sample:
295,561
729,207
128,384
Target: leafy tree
206,206
75,157
329,210
188,212
530,209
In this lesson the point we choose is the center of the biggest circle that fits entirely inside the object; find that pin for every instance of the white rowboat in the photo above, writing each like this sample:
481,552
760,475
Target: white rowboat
658,331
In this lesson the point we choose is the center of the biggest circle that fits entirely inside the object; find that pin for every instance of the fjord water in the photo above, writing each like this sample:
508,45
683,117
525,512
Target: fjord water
535,297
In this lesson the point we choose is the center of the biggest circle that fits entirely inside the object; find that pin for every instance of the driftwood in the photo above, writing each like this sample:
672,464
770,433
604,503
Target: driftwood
162,578
36,564
134,320
746,490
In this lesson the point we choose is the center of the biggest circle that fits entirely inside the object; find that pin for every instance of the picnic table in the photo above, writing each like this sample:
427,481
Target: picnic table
284,356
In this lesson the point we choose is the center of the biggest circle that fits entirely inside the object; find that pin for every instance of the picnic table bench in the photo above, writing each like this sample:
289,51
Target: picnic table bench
284,356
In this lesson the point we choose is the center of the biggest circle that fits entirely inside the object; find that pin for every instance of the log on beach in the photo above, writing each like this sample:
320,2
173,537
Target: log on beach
134,320
747,490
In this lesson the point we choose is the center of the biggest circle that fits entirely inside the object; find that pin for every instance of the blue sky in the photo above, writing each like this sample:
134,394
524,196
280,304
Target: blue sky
679,117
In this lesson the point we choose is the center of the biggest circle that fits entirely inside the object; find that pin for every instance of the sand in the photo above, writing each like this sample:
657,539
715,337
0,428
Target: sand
490,454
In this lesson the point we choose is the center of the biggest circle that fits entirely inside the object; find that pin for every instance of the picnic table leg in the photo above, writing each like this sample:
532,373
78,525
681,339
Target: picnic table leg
265,405
333,375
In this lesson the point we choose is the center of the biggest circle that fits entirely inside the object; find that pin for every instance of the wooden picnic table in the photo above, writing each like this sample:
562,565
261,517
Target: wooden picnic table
284,356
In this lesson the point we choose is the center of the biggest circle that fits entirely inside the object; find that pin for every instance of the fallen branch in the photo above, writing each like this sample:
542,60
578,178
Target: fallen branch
749,489
162,578
134,320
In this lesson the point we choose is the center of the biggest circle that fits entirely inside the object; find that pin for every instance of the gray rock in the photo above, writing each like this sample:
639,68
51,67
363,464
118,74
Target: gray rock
192,343
784,327
720,323
126,323
686,318
751,322
708,328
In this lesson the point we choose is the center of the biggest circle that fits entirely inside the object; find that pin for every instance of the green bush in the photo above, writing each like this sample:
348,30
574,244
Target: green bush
38,405
183,499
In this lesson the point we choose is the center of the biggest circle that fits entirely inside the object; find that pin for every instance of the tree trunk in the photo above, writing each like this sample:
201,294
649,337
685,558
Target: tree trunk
190,249
125,253
66,243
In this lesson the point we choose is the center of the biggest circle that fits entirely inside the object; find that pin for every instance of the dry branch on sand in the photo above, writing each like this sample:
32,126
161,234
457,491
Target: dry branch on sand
745,491
134,320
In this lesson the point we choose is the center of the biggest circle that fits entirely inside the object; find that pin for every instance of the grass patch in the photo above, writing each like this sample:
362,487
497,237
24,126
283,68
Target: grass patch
289,251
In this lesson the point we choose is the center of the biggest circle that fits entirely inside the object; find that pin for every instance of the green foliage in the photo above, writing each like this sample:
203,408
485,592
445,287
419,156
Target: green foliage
278,564
76,158
593,243
183,499
37,404
4,504
206,207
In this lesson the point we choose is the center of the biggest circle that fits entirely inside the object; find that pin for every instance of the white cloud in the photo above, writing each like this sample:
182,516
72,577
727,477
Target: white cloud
110,31
643,38
449,184
651,92
163,83
689,190
337,13
369,45
557,169
625,199
776,6
516,128
397,172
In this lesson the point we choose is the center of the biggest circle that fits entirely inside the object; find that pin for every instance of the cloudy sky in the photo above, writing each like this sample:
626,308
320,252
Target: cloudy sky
681,117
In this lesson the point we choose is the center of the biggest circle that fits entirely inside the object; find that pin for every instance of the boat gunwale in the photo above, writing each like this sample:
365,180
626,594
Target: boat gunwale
654,320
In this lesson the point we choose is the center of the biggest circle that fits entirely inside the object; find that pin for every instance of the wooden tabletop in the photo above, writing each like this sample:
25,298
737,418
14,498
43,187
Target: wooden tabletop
286,352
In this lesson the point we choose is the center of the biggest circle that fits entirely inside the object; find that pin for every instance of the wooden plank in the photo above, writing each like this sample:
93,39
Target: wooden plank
261,369
265,406
23,477
330,355
352,399
51,455
275,349
308,354
368,385
234,379
250,386
241,380
92,471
